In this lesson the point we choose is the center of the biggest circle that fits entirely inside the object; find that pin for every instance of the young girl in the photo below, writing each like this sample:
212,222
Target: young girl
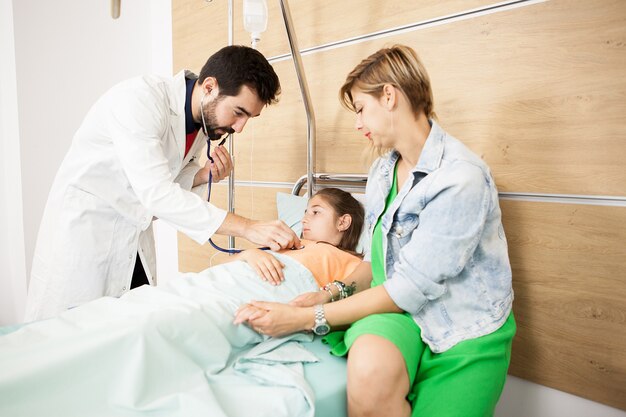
432,323
331,227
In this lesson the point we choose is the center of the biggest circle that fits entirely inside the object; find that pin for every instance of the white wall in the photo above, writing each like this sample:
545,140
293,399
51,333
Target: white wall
521,398
12,258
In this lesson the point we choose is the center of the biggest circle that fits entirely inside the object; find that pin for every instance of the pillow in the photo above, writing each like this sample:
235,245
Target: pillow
291,209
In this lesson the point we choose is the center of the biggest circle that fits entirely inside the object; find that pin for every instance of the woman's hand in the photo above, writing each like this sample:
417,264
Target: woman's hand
275,319
310,299
265,264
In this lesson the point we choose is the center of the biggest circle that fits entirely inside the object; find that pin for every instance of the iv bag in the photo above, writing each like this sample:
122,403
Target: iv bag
255,17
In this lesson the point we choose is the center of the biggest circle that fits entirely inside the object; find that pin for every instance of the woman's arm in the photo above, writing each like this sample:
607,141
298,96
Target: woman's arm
277,319
370,301
359,280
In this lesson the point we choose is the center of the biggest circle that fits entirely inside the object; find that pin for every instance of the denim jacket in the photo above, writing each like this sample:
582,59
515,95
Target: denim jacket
446,258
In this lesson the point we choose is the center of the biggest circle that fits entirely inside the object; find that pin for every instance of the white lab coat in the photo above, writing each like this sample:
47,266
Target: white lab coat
124,167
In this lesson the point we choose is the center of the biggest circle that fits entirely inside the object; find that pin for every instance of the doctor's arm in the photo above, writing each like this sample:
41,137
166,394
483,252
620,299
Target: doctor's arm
136,129
274,234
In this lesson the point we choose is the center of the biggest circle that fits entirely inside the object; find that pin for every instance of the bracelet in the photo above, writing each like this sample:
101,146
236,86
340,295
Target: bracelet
341,287
345,291
327,288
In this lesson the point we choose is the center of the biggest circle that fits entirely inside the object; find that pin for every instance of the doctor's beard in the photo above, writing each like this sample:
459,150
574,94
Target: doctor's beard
211,120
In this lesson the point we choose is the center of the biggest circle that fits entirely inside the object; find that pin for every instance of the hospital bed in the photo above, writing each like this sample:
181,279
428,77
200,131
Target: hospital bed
326,377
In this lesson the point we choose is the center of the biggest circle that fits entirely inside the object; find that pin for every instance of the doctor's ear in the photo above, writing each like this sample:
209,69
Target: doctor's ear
210,87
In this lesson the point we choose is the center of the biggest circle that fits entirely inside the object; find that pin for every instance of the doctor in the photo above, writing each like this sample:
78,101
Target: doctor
133,159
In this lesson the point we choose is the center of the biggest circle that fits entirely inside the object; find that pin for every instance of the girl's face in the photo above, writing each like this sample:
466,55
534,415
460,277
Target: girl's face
373,118
321,223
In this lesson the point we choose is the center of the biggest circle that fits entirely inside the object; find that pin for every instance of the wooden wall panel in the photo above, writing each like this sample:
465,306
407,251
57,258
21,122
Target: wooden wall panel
252,202
321,22
537,91
199,29
201,26
569,279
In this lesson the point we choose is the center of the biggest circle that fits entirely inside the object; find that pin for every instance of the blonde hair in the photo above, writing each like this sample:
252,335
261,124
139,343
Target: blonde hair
398,66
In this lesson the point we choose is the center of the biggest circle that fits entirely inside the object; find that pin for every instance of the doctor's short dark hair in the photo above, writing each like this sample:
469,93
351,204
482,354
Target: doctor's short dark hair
235,66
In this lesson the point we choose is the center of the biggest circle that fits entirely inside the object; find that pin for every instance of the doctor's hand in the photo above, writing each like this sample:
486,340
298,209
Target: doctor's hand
274,234
222,164
221,167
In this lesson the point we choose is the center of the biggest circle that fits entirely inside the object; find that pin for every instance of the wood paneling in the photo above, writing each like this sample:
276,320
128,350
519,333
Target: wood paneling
252,202
538,91
569,279
200,27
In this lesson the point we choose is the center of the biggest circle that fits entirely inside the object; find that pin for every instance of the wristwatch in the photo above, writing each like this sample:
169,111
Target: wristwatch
321,326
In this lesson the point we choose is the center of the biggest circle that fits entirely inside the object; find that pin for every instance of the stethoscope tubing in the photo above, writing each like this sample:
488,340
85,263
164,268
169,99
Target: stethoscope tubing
208,154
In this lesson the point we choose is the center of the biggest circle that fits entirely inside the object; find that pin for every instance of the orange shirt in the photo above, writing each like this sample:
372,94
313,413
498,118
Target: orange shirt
326,262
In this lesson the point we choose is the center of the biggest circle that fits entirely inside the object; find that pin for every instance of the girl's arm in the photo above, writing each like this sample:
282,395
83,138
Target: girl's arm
360,278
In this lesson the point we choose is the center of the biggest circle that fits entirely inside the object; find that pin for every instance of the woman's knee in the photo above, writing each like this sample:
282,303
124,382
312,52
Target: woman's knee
376,369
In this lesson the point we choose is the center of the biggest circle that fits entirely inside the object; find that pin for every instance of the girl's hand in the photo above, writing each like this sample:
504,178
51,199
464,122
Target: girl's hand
310,299
248,312
265,264
281,319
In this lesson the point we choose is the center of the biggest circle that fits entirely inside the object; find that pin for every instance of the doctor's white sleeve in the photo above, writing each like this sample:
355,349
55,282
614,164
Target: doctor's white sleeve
137,124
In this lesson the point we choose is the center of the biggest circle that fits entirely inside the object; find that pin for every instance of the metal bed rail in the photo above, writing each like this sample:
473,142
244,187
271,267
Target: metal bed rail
348,182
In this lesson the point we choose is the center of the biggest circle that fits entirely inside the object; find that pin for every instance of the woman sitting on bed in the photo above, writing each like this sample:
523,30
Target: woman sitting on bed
174,349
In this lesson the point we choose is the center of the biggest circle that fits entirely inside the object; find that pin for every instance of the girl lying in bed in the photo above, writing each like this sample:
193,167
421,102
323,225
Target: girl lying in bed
173,349
331,228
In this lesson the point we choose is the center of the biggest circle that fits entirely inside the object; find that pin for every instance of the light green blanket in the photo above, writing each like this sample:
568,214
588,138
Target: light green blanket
161,351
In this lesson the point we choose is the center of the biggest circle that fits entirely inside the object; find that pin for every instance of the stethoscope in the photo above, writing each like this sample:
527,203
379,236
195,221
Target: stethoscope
208,154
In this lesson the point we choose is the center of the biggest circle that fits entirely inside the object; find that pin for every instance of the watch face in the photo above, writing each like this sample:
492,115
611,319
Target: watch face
321,329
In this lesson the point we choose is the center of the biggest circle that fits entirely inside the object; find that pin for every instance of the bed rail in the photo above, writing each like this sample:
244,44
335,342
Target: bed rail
348,182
